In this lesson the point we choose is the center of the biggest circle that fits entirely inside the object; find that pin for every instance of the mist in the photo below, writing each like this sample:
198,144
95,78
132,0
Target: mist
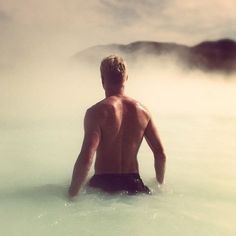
32,29
38,39
46,90
42,110
44,95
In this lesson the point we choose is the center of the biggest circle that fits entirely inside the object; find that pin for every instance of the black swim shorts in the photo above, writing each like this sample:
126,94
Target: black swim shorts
112,183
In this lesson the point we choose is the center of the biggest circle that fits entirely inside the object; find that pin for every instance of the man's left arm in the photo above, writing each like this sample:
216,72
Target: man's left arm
92,134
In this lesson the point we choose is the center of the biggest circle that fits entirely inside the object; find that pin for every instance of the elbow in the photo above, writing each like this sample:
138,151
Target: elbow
85,163
160,155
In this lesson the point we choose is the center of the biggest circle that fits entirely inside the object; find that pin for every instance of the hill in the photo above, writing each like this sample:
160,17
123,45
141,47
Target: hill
211,56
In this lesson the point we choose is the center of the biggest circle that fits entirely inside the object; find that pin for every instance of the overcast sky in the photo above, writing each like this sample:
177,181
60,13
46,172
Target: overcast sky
27,26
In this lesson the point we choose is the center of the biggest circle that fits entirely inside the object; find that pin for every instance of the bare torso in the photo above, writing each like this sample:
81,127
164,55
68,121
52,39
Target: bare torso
122,122
114,129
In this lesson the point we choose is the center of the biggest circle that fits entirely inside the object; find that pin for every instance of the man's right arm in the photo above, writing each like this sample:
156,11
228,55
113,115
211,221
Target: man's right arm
82,165
154,142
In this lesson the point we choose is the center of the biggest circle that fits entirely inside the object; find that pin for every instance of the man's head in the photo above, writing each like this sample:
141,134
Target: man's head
113,71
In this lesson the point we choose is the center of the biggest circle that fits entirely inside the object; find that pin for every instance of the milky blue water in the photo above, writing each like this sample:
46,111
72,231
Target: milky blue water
41,134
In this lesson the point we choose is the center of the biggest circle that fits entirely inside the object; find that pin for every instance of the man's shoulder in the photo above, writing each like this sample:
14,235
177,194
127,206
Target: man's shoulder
108,105
98,108
99,105
140,106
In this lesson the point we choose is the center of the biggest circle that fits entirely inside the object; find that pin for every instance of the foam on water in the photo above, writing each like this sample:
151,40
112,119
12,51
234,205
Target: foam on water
41,135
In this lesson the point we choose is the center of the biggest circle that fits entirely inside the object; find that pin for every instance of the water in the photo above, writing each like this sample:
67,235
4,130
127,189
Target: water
41,134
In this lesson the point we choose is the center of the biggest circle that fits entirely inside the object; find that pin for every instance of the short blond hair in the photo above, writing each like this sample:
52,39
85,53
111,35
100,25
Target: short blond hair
114,68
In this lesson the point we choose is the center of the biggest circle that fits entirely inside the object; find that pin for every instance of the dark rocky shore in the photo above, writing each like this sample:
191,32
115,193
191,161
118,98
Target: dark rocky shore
210,56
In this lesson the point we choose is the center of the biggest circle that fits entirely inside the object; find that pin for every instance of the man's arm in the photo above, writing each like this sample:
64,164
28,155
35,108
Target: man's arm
153,140
82,165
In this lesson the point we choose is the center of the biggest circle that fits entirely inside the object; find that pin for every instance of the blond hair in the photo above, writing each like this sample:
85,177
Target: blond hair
114,69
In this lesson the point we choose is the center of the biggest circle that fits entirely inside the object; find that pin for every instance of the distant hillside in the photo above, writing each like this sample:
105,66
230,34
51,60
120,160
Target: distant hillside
211,56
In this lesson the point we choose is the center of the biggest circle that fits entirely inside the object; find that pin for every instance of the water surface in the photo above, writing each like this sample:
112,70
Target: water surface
41,134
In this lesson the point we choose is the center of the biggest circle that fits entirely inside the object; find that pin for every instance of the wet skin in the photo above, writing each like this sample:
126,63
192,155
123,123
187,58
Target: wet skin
114,129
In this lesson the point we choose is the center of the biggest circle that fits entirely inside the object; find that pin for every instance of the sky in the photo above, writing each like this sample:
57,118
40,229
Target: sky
37,37
32,27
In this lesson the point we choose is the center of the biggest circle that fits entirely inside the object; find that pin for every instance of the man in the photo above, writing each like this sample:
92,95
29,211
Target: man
114,129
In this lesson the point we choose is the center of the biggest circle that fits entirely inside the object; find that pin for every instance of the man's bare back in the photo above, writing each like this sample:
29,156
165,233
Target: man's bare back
114,129
122,122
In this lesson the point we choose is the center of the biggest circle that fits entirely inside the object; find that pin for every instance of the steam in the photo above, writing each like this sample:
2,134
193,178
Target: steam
34,31
64,91
38,82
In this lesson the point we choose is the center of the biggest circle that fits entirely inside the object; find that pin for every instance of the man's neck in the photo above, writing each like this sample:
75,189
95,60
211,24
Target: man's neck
114,91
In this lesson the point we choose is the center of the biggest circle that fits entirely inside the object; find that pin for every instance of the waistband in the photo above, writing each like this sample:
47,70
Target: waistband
134,175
